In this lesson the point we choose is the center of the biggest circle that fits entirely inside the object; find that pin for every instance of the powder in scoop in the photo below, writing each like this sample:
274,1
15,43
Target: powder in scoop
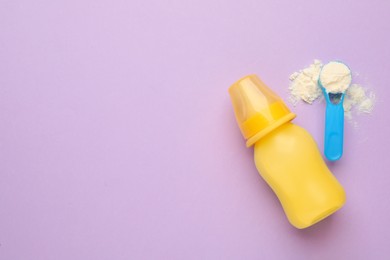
304,86
335,77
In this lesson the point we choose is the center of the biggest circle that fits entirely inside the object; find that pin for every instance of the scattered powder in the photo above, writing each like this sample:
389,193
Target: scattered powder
304,86
356,96
367,105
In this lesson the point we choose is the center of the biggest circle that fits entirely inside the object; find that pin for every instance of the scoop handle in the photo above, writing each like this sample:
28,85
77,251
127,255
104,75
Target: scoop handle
334,131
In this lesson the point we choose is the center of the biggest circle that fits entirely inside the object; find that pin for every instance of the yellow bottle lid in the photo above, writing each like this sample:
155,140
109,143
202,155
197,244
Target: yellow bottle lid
257,108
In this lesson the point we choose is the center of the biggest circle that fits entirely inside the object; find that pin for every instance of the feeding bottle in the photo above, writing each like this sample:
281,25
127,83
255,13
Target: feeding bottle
285,154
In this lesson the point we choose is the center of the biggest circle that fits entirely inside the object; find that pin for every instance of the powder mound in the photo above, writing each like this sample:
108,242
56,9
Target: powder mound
304,86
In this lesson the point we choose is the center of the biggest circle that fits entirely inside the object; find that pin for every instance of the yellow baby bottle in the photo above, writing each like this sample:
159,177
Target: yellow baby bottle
286,155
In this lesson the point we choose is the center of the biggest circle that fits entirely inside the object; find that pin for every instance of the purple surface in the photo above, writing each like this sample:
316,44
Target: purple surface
118,140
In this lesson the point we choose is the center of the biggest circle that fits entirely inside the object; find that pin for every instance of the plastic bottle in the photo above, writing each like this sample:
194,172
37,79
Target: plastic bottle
285,154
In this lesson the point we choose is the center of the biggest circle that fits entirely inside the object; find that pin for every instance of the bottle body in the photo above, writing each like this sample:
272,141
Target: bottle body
290,162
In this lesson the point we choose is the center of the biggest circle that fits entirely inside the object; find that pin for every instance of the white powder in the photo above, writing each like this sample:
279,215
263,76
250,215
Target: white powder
304,86
356,97
367,105
335,77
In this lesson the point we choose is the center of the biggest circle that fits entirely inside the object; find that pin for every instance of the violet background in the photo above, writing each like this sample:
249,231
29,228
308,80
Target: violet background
118,139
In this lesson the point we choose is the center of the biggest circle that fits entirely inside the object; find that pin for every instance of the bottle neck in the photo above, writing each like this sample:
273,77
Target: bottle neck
281,121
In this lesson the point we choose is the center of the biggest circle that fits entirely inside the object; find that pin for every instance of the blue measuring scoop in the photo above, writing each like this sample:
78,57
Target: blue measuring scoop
334,123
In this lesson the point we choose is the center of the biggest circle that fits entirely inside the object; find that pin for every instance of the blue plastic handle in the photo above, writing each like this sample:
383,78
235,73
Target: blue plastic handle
334,129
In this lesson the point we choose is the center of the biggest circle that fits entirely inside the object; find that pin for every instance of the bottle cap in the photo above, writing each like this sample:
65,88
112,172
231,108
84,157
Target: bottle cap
257,108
